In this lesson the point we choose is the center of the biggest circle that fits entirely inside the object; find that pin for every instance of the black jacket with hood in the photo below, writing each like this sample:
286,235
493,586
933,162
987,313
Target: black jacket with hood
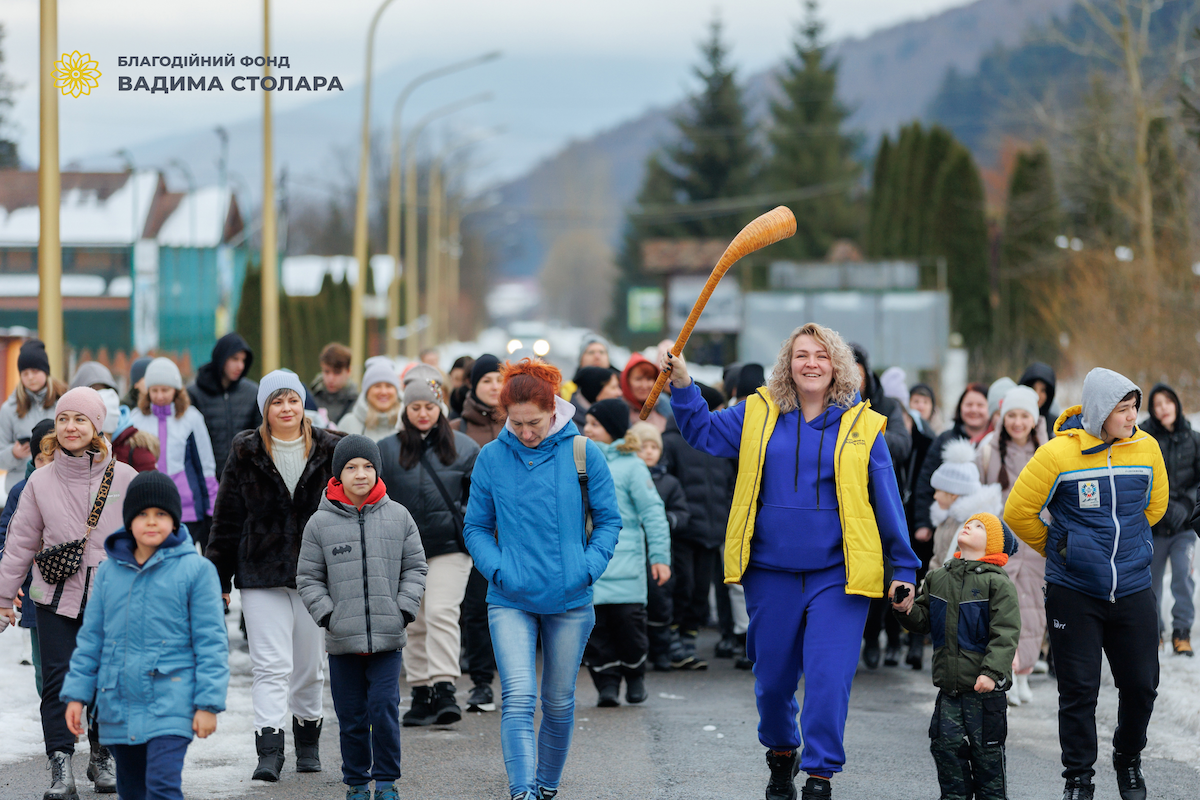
227,410
1039,371
707,484
1181,453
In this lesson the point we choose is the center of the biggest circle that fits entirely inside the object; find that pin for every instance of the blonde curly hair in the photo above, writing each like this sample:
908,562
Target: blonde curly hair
845,382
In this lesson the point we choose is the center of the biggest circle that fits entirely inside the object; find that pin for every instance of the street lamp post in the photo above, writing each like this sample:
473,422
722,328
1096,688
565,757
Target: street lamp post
270,269
393,310
357,333
410,202
50,320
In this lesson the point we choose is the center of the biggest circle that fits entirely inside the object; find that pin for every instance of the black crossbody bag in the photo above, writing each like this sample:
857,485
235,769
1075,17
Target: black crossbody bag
61,561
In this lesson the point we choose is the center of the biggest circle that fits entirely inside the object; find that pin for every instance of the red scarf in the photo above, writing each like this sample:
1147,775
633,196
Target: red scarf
337,493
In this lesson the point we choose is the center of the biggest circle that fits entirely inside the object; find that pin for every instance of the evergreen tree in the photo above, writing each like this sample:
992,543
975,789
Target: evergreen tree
873,244
8,147
1029,261
249,315
809,147
936,148
960,236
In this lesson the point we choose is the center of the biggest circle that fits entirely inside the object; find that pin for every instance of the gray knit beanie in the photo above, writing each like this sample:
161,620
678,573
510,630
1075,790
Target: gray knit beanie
352,447
273,382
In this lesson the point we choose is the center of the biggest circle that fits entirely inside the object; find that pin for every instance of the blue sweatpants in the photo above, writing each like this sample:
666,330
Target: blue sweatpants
150,771
804,624
366,698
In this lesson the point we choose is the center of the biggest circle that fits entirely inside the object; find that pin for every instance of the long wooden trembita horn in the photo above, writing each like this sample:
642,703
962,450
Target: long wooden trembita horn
774,226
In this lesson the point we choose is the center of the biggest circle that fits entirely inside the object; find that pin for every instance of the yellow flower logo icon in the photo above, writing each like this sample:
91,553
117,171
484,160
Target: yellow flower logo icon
76,74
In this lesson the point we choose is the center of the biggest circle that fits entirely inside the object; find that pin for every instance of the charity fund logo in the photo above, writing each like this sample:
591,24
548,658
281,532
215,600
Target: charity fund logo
76,74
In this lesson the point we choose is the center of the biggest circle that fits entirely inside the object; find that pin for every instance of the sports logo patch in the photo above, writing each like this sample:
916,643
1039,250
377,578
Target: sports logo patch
1089,494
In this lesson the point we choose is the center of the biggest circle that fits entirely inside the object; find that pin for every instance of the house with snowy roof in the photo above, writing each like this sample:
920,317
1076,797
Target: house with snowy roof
143,268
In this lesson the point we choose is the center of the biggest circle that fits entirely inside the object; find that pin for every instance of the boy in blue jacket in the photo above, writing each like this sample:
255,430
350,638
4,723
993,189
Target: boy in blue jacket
155,611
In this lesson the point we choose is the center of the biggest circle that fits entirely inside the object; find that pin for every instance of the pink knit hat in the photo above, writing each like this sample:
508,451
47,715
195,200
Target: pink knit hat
84,400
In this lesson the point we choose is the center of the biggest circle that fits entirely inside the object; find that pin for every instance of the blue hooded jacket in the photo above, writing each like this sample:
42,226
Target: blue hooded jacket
153,648
524,521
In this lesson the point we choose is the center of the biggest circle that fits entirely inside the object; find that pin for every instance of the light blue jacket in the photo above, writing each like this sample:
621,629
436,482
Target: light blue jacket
524,521
153,647
643,523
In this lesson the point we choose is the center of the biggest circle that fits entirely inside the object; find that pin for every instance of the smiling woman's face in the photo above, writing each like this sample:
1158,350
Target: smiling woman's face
812,368
74,431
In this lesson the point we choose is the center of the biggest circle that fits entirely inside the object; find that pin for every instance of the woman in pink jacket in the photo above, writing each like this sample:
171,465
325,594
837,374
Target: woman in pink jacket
54,509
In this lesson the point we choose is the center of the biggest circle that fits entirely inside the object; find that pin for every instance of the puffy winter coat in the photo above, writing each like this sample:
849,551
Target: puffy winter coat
356,420
54,509
923,489
674,500
970,610
525,523
227,410
644,529
257,526
415,490
13,428
1181,453
28,618
1103,499
482,423
362,571
707,483
185,455
336,404
153,649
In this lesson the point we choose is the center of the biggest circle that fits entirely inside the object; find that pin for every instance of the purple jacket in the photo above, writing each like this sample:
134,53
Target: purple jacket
185,455
54,509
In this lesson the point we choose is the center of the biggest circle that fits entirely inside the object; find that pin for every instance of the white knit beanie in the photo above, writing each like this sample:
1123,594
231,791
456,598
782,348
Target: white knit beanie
1021,398
380,372
958,473
996,393
163,372
273,382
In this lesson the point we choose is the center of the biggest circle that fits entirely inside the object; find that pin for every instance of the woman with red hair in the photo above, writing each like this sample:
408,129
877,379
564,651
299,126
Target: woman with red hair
525,529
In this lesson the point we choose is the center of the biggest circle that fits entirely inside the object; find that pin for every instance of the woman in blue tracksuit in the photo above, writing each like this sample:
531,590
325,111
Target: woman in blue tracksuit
525,530
816,510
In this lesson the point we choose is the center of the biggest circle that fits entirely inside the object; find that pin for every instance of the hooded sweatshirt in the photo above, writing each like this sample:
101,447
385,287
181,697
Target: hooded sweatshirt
1038,371
1181,453
227,410
1103,497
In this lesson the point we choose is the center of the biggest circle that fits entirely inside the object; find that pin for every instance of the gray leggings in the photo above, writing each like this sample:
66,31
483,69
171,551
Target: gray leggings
1177,549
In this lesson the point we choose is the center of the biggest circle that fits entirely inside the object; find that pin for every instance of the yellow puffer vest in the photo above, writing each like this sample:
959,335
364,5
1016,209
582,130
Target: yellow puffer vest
861,545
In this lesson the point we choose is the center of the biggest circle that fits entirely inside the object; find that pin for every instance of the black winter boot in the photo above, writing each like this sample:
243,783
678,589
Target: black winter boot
421,712
610,695
445,706
307,736
784,767
816,789
635,689
481,698
1079,789
62,778
269,742
916,650
724,648
102,770
1130,782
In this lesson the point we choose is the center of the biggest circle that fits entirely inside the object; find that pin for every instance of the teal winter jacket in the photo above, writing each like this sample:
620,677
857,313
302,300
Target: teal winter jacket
153,648
643,525
524,522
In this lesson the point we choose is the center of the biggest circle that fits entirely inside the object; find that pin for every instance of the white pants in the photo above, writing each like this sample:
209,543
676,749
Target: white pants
287,650
431,655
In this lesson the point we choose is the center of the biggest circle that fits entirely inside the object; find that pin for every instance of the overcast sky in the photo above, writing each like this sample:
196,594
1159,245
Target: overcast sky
326,38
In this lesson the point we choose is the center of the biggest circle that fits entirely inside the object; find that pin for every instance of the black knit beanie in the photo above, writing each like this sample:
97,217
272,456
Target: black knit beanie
712,396
483,365
151,490
613,414
591,380
352,447
33,356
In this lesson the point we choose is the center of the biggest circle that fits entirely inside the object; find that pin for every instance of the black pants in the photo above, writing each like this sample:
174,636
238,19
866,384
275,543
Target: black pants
1082,628
56,643
477,637
967,735
618,645
659,607
880,618
694,566
199,531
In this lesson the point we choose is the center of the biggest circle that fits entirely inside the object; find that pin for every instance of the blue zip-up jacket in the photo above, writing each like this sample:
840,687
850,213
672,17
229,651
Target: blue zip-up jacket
798,527
524,522
28,609
644,529
153,648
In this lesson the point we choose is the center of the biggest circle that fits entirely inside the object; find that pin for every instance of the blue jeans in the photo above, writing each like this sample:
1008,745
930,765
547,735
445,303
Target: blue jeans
366,697
514,638
1177,549
151,771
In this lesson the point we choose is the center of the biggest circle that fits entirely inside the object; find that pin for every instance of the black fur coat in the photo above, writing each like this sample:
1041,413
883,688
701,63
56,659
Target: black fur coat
257,528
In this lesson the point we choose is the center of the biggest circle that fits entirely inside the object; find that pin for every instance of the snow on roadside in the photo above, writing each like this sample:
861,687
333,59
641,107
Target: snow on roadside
19,716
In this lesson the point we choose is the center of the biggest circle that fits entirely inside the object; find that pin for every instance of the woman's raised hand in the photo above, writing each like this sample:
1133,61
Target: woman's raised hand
676,367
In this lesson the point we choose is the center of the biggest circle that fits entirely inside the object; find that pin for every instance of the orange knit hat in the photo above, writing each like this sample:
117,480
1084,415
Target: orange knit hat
1001,543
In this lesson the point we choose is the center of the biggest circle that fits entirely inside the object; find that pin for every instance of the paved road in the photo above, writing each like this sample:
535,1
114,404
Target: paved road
695,738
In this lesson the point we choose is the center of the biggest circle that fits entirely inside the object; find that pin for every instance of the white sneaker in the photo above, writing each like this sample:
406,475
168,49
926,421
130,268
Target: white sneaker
1014,699
1040,667
1023,690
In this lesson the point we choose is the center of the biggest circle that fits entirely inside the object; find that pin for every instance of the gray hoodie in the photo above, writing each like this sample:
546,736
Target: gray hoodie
1103,389
361,574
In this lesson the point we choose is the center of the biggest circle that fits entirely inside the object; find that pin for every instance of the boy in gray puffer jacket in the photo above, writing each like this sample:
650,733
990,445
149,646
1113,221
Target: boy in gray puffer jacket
361,575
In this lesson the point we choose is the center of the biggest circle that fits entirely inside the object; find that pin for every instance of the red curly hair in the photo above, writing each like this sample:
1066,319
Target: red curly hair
530,381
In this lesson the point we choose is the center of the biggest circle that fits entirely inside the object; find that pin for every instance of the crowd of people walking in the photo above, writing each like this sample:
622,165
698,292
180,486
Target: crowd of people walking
431,524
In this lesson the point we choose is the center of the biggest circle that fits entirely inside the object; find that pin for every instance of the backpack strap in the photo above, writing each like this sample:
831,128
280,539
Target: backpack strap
580,450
